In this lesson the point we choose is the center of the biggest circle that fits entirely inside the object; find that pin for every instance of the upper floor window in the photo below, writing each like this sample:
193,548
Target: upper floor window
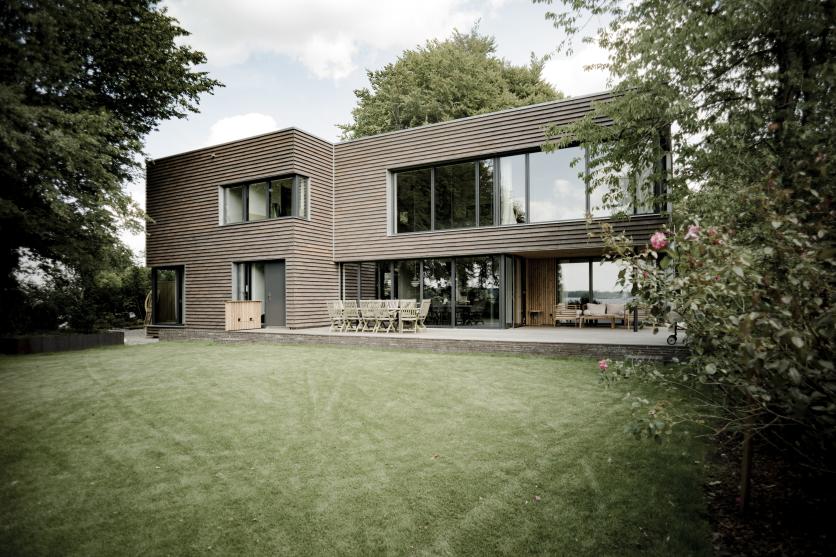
268,199
526,188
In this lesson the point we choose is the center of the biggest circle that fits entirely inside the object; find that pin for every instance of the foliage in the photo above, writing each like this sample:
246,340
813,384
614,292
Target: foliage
746,90
81,83
112,295
443,80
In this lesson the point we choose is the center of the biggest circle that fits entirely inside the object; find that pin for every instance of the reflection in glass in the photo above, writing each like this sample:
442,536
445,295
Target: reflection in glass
512,189
604,283
280,197
407,280
413,200
573,282
477,291
455,196
257,201
438,288
486,192
233,204
556,191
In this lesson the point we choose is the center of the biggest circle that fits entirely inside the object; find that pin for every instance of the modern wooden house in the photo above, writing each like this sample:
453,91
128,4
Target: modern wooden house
468,213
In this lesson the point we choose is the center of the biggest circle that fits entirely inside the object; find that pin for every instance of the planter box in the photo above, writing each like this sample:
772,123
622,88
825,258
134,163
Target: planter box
59,343
242,314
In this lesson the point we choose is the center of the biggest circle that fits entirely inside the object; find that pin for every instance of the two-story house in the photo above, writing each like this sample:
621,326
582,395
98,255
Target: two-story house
469,213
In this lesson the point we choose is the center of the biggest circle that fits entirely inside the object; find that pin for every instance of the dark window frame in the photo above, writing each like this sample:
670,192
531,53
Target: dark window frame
658,190
245,198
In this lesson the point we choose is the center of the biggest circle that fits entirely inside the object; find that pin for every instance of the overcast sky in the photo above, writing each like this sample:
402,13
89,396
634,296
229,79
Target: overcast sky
297,62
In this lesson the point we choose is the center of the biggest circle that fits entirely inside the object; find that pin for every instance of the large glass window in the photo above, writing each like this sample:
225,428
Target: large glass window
605,288
407,280
477,291
556,191
282,197
512,189
455,196
486,192
413,200
167,295
233,204
573,282
438,276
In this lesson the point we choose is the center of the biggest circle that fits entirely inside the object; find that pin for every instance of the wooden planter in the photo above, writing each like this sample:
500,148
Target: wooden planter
242,314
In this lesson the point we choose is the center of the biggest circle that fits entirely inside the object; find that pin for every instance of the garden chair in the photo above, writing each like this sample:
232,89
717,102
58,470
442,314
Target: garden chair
335,314
391,308
562,312
423,312
408,315
407,304
367,314
351,316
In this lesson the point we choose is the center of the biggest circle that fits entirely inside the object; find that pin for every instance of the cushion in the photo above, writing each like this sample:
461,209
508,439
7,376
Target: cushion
615,309
595,309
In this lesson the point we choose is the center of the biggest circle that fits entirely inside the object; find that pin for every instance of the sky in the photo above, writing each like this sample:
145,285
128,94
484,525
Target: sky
297,62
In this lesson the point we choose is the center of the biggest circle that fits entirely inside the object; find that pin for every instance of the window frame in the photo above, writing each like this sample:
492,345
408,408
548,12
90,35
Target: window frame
658,190
298,181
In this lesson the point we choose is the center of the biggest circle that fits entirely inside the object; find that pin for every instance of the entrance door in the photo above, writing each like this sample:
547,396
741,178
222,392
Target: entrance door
274,307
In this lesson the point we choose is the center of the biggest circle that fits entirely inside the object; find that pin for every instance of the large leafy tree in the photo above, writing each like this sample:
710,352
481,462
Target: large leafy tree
81,83
443,80
747,90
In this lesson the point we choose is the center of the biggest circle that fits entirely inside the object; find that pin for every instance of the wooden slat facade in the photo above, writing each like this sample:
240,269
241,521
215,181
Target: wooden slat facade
362,170
348,198
183,201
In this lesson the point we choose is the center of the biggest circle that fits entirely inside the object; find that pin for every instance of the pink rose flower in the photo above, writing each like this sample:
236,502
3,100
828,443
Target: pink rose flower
603,364
659,240
693,232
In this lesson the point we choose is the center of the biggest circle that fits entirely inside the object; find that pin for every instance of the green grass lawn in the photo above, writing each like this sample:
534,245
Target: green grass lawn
196,448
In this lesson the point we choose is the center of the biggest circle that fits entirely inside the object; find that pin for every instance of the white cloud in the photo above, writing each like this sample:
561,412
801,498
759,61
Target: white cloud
240,126
325,35
568,74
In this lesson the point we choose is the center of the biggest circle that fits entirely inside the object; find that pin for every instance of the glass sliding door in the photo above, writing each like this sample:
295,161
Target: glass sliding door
477,291
573,282
604,283
438,287
407,280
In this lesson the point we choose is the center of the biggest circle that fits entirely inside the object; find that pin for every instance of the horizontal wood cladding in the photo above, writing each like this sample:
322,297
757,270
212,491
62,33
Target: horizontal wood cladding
361,169
182,200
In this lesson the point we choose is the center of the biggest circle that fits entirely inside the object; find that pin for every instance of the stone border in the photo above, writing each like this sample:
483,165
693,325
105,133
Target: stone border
36,344
615,351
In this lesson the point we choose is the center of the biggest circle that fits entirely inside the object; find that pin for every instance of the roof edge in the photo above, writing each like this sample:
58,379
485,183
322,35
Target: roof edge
605,94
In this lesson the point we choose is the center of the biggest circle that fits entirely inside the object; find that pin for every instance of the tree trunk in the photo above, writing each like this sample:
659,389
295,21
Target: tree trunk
745,496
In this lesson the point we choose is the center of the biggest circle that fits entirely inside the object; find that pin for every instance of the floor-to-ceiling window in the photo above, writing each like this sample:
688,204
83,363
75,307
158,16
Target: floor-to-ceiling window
167,295
573,282
438,287
477,291
590,280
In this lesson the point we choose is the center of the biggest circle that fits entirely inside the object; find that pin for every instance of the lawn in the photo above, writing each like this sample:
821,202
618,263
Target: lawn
196,448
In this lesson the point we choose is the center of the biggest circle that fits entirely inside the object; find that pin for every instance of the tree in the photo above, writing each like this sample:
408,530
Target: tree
443,80
747,91
81,83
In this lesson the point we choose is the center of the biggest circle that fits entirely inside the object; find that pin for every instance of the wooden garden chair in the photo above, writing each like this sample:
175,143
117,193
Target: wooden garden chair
408,315
391,308
351,316
423,311
335,314
562,312
642,313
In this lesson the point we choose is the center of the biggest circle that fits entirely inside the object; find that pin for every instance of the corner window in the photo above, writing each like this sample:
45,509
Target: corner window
279,197
167,295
